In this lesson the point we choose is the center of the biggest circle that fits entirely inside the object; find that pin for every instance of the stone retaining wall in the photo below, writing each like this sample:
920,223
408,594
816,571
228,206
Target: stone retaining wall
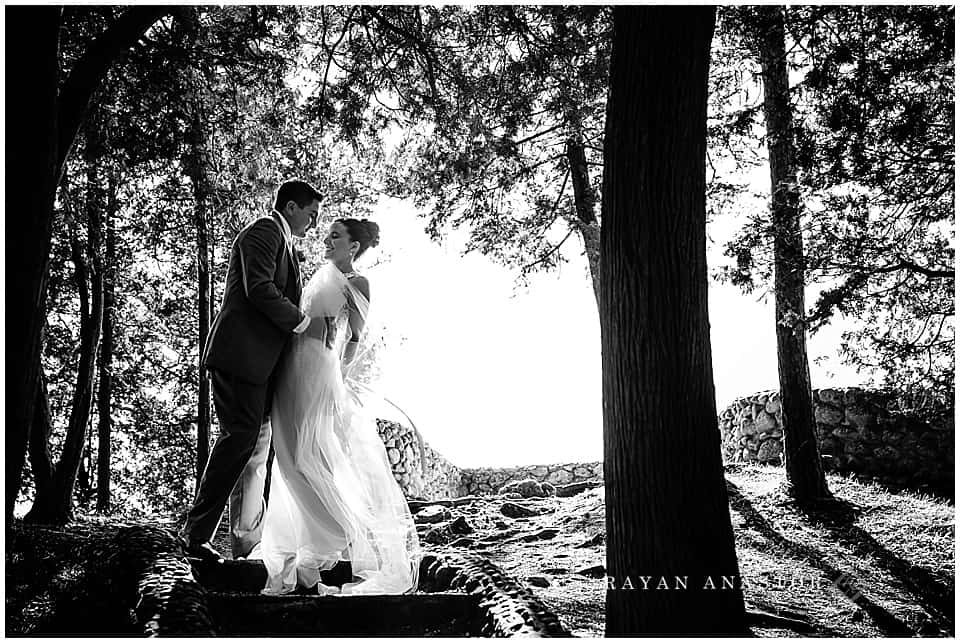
856,432
489,480
420,471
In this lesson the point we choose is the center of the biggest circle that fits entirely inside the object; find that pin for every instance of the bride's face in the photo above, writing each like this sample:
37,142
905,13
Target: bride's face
338,244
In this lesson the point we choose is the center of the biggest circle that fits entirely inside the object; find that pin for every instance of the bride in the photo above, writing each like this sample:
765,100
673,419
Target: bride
333,496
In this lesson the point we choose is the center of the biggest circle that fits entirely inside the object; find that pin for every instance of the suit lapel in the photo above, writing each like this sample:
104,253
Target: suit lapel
288,247
296,269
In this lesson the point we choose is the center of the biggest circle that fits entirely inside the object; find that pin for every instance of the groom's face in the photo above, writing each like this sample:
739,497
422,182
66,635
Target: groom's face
302,219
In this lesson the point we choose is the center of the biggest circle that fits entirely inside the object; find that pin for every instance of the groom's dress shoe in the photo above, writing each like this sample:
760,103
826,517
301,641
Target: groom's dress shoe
203,551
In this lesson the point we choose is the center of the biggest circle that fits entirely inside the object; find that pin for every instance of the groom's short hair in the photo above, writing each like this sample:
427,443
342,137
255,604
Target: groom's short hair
299,191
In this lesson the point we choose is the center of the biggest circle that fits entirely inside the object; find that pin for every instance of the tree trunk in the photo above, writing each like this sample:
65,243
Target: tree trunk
197,163
585,203
91,321
57,508
37,149
805,479
667,512
31,158
105,425
41,461
203,313
83,489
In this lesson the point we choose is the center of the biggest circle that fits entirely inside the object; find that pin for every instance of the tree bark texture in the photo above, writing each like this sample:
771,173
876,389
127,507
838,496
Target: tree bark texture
31,160
667,509
105,388
805,479
197,164
41,460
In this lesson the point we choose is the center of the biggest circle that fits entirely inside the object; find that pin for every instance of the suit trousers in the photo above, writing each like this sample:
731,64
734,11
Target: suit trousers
243,409
248,505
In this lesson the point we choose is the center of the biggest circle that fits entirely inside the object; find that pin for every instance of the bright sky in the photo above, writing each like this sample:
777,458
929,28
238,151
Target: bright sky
493,375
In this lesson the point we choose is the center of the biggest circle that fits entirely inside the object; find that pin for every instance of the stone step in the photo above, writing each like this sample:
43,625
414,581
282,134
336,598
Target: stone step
424,614
250,576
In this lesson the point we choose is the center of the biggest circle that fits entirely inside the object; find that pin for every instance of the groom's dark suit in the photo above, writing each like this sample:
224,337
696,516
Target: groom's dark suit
248,338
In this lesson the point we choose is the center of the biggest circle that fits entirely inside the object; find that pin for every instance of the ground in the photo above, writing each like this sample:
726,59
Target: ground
879,563
882,565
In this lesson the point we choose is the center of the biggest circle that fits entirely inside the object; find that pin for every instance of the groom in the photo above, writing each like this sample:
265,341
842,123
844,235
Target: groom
259,315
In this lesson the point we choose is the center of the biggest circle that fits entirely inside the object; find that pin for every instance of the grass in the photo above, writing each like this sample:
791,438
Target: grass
875,562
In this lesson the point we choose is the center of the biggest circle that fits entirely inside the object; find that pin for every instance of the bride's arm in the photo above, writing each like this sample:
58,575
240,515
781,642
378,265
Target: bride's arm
356,319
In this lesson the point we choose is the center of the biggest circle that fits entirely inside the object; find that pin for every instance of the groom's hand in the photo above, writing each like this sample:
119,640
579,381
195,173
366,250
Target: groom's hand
321,328
317,328
331,330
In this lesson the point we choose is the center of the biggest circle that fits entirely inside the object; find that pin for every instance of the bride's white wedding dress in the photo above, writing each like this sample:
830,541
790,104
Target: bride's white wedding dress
332,493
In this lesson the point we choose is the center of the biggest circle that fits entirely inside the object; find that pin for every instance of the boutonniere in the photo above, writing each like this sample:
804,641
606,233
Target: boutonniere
299,255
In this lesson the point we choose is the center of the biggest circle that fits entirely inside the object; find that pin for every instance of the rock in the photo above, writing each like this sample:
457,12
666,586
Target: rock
514,510
462,542
859,448
527,488
500,524
582,472
393,455
437,535
560,476
572,489
769,450
461,526
827,414
539,471
555,570
765,422
852,396
773,405
859,416
747,427
512,495
490,538
538,581
831,396
596,539
596,571
846,434
432,514
543,534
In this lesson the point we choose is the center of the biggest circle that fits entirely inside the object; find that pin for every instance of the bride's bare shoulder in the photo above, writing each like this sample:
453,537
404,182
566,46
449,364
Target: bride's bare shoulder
362,284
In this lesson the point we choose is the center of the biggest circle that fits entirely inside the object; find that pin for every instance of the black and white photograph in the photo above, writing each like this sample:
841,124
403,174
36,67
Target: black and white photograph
480,320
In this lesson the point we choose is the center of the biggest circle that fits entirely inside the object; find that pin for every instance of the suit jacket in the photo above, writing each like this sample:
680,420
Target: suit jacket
260,305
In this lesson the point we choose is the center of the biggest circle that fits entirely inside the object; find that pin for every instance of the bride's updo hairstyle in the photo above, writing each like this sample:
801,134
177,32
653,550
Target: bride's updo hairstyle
363,231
